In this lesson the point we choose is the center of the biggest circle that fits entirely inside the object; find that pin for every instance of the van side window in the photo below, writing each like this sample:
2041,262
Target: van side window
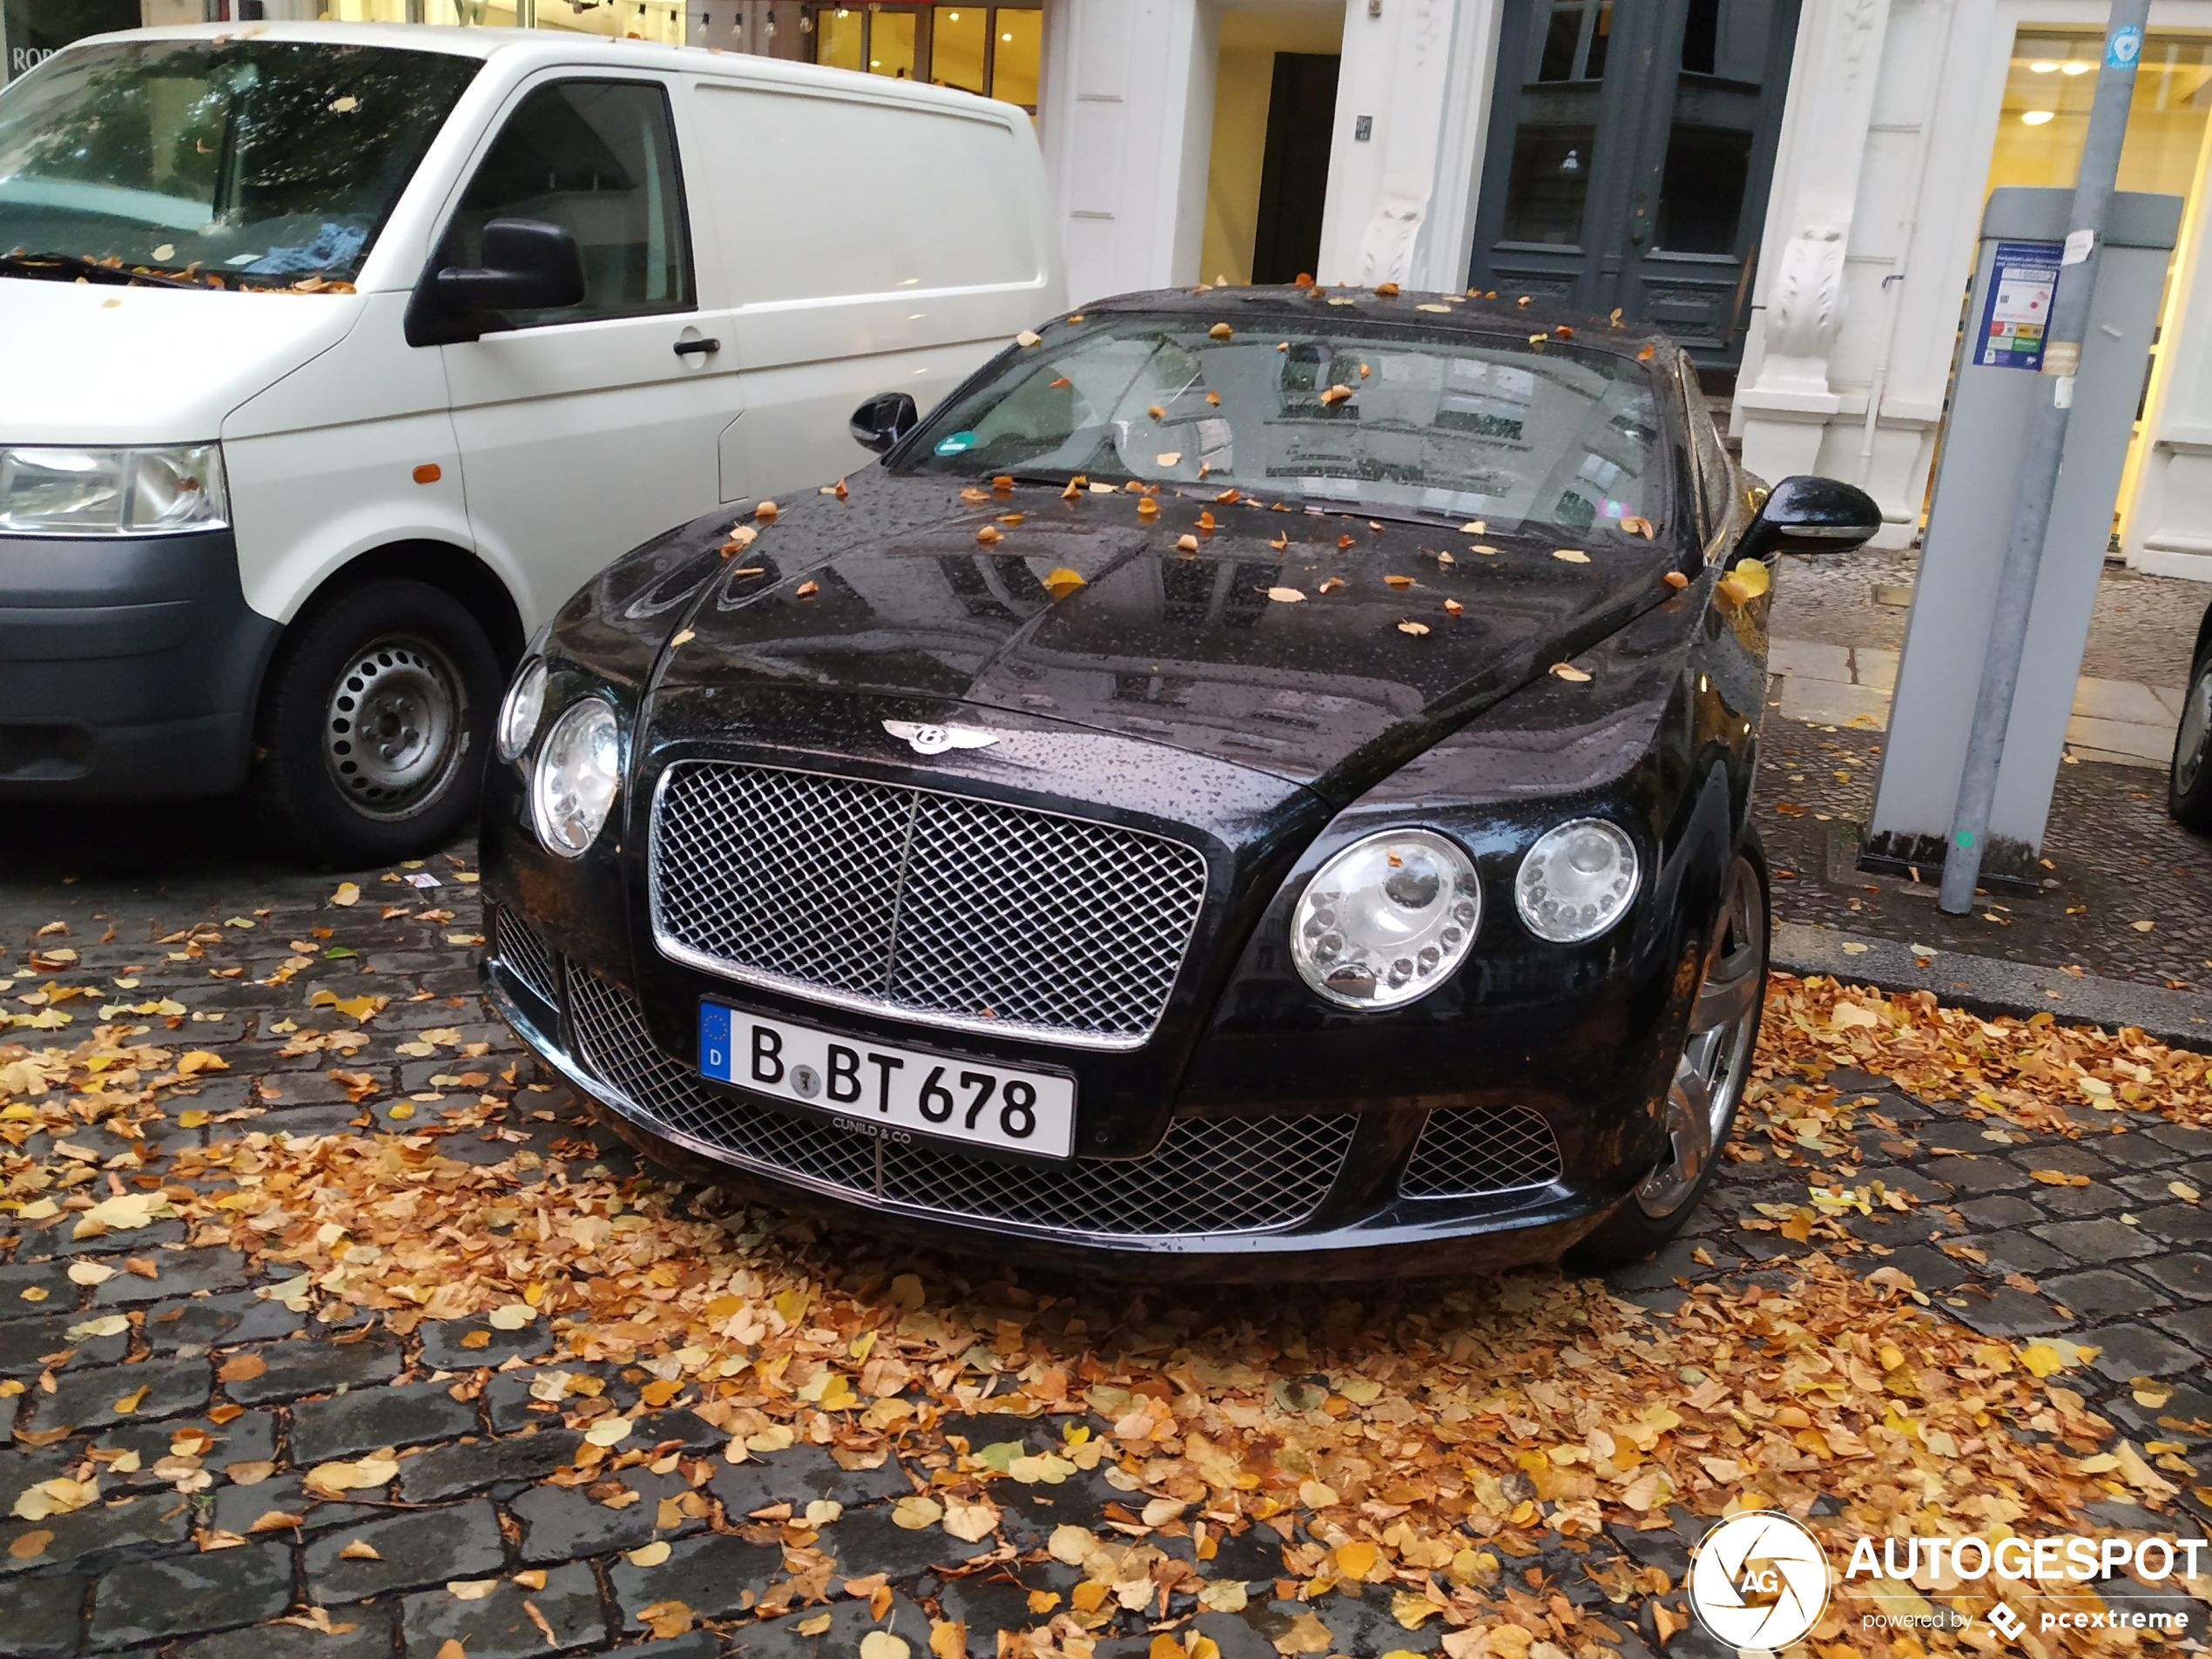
598,159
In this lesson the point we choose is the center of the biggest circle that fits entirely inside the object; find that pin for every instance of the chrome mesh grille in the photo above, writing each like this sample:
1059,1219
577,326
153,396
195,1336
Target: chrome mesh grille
526,955
1209,1176
1466,1151
916,902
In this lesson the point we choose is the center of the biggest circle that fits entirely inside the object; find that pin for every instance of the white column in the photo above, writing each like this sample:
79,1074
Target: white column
1785,400
1128,120
2167,529
1401,201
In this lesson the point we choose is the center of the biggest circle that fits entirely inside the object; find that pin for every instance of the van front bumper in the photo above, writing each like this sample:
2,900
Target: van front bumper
128,666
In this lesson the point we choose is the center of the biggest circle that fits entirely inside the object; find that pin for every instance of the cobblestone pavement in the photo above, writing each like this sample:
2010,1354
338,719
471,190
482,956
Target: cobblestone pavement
2144,627
2115,860
174,1364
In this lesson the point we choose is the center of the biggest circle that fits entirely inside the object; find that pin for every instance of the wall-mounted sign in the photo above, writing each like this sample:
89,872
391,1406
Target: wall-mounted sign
2016,311
36,29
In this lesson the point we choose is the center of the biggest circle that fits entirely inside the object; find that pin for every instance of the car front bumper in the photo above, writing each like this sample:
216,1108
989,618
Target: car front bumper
128,666
592,1033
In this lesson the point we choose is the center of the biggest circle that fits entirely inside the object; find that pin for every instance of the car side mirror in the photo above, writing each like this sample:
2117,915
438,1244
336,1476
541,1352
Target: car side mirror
1809,514
529,265
883,420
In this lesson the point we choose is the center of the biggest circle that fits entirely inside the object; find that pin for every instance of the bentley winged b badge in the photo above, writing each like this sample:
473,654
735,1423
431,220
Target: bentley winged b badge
935,739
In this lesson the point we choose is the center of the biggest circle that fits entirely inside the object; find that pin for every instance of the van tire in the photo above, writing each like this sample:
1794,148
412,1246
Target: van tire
409,657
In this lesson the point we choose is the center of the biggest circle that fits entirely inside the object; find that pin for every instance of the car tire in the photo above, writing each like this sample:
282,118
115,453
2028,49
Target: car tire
375,724
2188,776
1709,1077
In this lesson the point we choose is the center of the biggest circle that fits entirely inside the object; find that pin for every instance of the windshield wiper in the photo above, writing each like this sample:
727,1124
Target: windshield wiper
72,265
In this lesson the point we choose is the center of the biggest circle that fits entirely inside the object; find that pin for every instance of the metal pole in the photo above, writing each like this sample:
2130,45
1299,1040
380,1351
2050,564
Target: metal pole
2041,447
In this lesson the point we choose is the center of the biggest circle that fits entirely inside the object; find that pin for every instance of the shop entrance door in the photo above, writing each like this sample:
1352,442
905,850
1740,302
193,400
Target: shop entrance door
1631,147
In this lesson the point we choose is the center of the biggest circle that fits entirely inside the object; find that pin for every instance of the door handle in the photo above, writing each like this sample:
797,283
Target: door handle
697,348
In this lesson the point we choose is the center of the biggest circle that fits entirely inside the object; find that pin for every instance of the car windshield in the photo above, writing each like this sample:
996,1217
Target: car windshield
1355,416
265,163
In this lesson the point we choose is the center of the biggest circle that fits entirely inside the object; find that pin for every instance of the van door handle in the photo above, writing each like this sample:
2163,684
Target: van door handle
697,348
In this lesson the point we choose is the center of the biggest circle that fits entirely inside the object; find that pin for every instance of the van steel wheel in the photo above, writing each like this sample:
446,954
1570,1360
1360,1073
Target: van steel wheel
393,726
375,722
1709,1079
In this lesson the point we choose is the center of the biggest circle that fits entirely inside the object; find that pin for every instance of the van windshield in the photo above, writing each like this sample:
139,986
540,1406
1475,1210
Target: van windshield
257,163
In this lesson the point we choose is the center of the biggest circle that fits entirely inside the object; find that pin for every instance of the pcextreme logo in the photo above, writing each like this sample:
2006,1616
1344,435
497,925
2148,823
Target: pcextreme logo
1759,1580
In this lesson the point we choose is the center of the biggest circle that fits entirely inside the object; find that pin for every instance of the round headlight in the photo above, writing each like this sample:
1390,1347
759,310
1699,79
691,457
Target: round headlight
520,712
1387,919
579,768
1577,880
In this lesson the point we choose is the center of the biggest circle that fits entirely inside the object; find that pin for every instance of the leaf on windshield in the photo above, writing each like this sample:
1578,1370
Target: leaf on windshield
1002,483
1484,549
1073,492
1398,581
1332,584
1168,457
1614,319
1446,558
1453,607
1561,330
740,538
1364,371
1280,541
1076,317
808,590
1636,525
1522,300
837,490
1475,527
766,512
1343,541
972,493
1335,394
1028,338
989,534
1413,627
1286,596
1156,412
1571,674
1219,331
1431,306
1205,520
1388,290
1186,544
344,104
1147,508
1572,555
1647,354
1676,579
1213,399
1061,583
1059,385
166,252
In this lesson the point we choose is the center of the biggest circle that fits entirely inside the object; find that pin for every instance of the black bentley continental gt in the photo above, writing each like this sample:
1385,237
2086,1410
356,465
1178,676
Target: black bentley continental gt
1256,779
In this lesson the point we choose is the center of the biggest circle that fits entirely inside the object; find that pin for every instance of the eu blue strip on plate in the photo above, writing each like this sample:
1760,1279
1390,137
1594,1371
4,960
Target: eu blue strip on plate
714,1041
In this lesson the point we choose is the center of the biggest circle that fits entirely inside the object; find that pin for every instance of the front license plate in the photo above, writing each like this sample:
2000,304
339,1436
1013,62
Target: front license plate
878,1088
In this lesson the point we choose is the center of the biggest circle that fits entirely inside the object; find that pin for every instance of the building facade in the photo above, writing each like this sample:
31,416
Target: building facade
1791,186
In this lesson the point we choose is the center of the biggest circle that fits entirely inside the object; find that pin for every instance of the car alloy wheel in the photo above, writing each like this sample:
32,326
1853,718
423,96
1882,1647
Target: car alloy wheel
2189,742
392,727
1716,1056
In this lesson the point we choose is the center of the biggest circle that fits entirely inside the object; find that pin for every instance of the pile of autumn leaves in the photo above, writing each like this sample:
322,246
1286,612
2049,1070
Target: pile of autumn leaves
1452,1455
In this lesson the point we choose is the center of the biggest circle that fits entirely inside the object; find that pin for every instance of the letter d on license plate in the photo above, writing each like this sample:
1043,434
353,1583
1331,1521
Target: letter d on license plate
878,1088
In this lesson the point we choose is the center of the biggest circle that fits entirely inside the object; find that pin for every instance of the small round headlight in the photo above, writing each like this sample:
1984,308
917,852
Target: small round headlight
1387,919
1577,880
579,768
520,712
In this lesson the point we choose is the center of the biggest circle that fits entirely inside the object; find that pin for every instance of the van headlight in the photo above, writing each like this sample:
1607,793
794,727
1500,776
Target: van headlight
579,770
1577,880
49,489
1387,919
522,709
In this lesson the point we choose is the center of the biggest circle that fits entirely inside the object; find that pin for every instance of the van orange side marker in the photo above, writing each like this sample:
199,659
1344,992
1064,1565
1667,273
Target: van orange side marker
428,473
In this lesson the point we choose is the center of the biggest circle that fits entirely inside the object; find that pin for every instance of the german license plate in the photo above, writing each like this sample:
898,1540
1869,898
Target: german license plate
882,1089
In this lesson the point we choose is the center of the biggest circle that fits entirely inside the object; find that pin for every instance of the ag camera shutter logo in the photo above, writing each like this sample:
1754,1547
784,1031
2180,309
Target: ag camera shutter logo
1759,1580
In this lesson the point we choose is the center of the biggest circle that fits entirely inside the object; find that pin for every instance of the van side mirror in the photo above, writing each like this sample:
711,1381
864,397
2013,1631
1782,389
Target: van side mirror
529,265
883,420
1809,514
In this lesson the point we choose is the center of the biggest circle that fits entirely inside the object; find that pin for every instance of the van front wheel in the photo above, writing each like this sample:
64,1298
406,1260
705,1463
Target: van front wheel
375,722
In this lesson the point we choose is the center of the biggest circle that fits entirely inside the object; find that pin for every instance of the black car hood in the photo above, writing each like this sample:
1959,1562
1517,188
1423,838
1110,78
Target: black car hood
1173,635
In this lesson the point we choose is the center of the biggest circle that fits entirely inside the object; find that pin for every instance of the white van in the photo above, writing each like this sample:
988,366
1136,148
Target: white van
334,357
